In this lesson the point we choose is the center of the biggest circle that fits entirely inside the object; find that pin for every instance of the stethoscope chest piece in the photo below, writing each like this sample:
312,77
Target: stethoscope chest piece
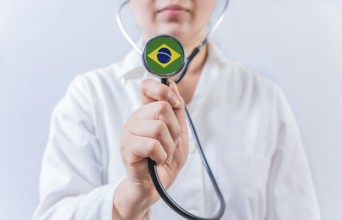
163,56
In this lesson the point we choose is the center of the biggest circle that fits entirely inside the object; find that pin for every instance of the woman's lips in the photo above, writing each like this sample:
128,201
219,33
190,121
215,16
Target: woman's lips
173,10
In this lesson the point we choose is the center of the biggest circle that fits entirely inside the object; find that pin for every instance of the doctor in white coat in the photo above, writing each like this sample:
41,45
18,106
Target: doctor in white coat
112,119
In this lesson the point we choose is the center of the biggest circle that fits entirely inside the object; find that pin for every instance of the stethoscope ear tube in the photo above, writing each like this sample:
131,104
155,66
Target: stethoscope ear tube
135,46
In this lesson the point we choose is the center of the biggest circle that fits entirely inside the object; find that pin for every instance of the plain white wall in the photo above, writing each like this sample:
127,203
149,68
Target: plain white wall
44,44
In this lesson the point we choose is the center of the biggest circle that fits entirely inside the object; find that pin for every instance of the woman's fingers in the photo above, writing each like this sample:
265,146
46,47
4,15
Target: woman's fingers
158,130
152,90
143,147
159,111
181,153
179,112
155,92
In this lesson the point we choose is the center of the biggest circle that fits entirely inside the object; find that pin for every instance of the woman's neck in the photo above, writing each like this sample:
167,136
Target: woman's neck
199,60
189,83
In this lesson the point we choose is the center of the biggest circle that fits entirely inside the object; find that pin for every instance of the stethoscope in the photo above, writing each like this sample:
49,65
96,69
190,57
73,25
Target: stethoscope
164,56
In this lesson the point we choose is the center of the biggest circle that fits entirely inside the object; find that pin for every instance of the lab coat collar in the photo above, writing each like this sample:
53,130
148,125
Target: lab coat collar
215,55
132,63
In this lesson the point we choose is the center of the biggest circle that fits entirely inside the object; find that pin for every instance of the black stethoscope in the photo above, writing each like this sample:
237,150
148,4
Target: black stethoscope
164,57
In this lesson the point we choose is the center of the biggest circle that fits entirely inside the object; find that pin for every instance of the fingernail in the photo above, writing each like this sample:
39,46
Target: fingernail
173,100
173,86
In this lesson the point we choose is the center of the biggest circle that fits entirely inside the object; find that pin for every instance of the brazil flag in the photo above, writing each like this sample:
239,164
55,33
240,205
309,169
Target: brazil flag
164,55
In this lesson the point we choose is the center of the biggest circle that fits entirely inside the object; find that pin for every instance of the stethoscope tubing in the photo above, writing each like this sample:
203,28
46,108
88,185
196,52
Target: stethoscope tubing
166,197
135,46
151,164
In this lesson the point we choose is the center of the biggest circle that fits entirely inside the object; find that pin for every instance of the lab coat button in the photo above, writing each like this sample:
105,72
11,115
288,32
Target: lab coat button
194,212
192,147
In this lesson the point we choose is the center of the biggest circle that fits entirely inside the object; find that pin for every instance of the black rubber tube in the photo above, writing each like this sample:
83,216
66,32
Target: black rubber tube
165,196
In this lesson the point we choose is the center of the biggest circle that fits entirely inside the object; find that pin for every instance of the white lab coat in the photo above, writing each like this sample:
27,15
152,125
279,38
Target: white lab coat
243,120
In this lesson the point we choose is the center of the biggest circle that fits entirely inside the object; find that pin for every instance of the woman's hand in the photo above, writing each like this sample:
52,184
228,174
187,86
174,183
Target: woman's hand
157,130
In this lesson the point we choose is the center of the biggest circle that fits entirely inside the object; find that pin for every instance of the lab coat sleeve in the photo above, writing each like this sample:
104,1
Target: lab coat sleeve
291,193
74,164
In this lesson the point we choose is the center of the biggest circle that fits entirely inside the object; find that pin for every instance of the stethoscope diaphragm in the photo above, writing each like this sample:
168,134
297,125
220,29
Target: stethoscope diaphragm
164,56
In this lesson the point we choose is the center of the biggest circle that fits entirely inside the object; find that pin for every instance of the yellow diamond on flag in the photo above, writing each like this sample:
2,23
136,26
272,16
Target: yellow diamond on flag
164,55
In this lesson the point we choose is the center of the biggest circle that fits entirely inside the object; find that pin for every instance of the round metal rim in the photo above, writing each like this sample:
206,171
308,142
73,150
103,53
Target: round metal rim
163,75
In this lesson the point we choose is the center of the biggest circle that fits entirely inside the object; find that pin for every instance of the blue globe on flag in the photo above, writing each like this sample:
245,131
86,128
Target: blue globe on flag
164,55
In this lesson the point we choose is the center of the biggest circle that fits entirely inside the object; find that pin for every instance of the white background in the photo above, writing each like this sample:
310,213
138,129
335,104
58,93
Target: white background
44,44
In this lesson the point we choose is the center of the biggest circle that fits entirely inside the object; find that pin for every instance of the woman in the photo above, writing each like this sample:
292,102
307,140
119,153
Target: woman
112,119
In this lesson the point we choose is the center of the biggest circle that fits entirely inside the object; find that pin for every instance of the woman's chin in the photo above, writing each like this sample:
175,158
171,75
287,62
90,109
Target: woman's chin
175,30
183,34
